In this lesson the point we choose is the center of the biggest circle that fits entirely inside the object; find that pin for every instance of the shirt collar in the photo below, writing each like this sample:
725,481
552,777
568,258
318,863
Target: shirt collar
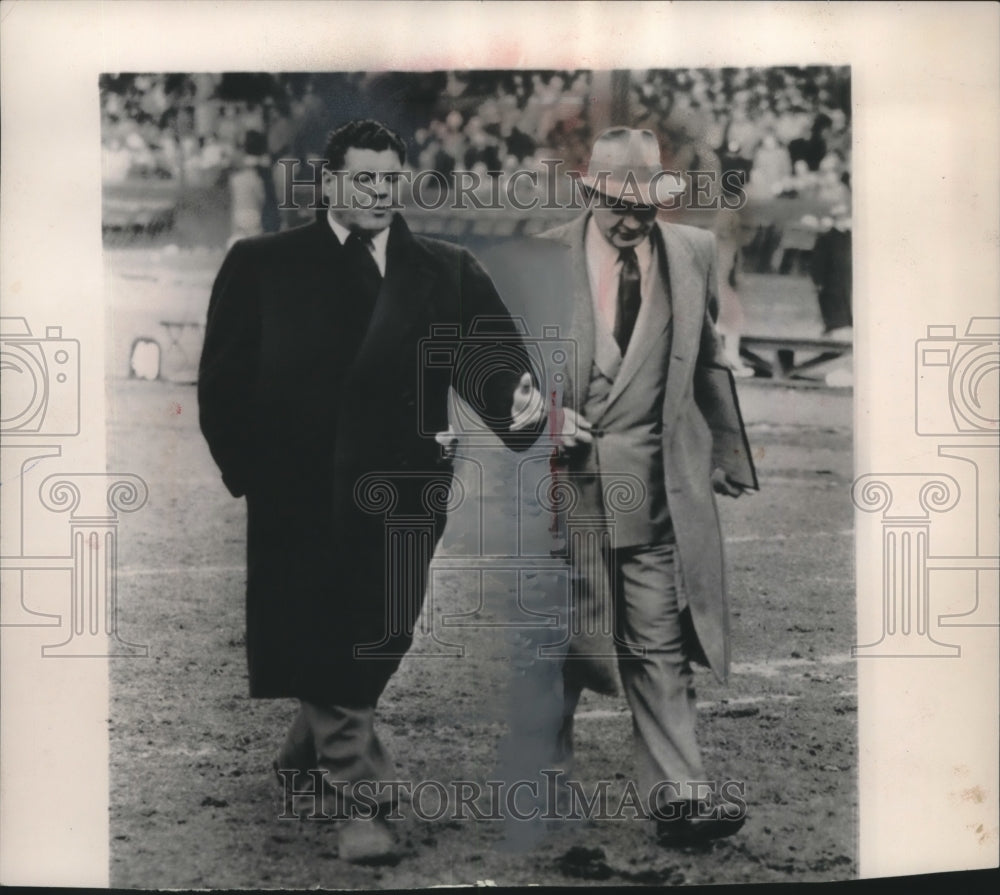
598,246
380,241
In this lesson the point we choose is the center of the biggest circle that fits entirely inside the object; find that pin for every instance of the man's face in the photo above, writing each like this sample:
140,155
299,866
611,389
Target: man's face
623,224
362,196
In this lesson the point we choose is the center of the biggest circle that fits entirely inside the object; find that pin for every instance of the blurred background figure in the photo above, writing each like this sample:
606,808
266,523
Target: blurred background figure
831,270
771,167
731,320
116,161
800,184
246,188
280,145
687,149
830,186
812,149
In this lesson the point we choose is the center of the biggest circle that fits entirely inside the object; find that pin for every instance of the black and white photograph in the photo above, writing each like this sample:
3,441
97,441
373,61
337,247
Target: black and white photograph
584,657
484,491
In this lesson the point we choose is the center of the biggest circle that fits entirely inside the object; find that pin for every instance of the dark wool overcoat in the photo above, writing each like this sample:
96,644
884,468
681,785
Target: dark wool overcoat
321,408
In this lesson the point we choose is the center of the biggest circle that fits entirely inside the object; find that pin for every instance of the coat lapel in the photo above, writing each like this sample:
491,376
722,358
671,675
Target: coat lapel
402,298
654,317
687,290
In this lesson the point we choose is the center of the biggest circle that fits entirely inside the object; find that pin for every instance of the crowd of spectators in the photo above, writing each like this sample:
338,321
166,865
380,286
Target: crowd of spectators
187,128
507,121
787,130
195,129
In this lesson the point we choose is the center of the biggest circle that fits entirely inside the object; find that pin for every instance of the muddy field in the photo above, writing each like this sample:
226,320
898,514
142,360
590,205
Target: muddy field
194,802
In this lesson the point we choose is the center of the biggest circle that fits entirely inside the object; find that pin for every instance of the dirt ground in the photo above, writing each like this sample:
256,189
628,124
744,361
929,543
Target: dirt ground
194,803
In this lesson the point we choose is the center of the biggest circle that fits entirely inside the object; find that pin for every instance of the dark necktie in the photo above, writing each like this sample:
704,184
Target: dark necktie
362,262
629,298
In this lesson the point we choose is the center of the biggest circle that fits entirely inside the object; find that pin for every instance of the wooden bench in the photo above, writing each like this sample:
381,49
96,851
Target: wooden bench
781,357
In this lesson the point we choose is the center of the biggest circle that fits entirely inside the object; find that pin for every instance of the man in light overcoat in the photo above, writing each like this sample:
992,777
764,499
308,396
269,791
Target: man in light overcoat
641,458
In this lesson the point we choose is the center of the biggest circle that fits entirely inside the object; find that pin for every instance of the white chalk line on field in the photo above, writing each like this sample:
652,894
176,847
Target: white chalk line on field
790,536
736,702
765,668
776,667
186,570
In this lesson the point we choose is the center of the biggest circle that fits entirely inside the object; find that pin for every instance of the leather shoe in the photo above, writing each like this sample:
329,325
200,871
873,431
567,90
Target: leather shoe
688,823
367,841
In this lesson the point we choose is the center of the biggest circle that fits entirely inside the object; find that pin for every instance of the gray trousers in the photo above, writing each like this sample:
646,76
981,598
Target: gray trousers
655,673
341,742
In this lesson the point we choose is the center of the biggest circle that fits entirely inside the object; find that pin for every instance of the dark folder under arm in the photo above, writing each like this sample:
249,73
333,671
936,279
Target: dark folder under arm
715,394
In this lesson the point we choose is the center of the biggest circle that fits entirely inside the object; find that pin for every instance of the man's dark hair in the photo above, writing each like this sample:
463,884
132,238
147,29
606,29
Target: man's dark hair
362,134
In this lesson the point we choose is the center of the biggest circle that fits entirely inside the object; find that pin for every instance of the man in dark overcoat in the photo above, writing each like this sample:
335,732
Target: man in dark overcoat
319,406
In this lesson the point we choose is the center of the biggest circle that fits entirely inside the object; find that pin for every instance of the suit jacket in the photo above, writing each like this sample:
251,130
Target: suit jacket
322,410
687,447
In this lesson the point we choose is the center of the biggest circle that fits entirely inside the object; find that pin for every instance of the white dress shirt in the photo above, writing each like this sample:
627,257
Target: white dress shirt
604,267
377,247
